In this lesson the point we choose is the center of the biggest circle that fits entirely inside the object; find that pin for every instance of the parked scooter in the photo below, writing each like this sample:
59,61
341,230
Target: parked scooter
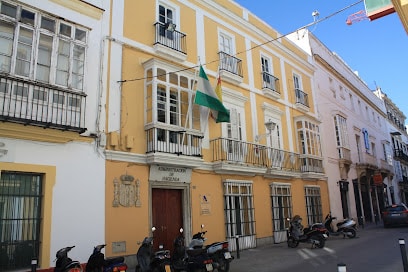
217,251
64,263
347,227
148,260
297,234
192,259
98,263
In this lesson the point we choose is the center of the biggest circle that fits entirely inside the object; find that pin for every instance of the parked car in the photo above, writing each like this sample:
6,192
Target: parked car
395,215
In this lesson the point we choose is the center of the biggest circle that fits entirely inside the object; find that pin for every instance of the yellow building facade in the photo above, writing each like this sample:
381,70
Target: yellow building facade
170,165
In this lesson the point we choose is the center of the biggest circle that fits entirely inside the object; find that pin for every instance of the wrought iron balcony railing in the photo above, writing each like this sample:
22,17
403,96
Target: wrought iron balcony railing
170,38
230,63
173,140
270,82
302,97
235,151
311,164
400,155
38,104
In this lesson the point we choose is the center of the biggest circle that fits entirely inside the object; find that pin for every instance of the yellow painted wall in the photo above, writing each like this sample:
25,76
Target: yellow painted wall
49,176
130,224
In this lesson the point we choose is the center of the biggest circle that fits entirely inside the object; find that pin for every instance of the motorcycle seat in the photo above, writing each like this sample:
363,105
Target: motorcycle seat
195,251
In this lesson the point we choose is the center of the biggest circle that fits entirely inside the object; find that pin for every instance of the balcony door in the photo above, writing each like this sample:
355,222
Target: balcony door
235,147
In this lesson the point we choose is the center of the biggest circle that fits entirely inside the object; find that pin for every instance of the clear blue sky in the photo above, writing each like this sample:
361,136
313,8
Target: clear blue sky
377,49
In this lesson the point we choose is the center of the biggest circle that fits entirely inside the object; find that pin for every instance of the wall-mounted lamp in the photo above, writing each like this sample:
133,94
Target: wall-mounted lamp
269,126
170,26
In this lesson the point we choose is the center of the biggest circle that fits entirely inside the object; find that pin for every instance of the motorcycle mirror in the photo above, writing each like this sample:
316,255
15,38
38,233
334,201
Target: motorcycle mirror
153,229
202,226
161,246
181,230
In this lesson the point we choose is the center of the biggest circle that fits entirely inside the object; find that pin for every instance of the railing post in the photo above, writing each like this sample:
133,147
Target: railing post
401,242
34,262
341,267
237,242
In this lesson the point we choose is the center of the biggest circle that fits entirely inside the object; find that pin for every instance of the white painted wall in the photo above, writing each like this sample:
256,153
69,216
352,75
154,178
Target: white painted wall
78,200
78,208
329,105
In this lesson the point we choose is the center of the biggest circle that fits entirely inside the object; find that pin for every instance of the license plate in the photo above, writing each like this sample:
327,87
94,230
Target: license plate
209,267
227,255
167,268
325,235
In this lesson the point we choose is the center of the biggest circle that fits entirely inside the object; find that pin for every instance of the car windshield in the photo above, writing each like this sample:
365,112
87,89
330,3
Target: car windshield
395,209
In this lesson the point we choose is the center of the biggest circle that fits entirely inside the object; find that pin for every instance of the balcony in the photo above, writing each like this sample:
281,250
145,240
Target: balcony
33,103
230,67
311,164
170,42
367,161
400,155
173,145
233,155
302,100
270,86
385,166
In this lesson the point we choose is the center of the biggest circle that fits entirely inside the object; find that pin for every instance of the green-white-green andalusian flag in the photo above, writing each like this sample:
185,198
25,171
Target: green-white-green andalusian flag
206,96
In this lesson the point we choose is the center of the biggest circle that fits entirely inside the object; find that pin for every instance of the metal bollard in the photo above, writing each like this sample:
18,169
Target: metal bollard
237,242
341,267
401,242
34,262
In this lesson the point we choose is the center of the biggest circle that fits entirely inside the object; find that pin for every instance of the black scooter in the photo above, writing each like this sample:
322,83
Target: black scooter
98,263
297,234
218,251
193,258
64,263
148,260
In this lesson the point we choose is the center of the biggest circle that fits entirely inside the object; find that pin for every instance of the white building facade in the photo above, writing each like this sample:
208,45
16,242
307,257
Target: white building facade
51,165
398,189
356,144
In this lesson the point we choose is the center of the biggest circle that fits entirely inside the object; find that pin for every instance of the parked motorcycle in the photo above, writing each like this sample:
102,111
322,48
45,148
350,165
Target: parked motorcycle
98,263
149,261
297,234
347,227
320,228
217,251
193,258
64,263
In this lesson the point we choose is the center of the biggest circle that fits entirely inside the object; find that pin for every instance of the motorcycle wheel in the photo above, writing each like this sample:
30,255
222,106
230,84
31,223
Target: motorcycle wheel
351,233
223,265
292,242
320,239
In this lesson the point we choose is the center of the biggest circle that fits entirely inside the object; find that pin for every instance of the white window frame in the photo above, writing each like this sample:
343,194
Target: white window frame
57,37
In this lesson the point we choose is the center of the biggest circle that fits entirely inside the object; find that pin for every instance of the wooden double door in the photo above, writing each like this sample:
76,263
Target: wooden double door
167,215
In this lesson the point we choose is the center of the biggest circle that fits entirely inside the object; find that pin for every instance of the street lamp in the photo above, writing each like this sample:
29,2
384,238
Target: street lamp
269,126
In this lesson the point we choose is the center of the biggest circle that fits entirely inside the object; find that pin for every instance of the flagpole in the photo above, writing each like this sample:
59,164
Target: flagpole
190,102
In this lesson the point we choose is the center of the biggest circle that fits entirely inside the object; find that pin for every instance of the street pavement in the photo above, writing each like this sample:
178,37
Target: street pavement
279,257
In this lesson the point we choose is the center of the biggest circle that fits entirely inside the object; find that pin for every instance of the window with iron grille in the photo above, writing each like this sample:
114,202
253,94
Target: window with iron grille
281,205
239,209
313,204
20,219
41,47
